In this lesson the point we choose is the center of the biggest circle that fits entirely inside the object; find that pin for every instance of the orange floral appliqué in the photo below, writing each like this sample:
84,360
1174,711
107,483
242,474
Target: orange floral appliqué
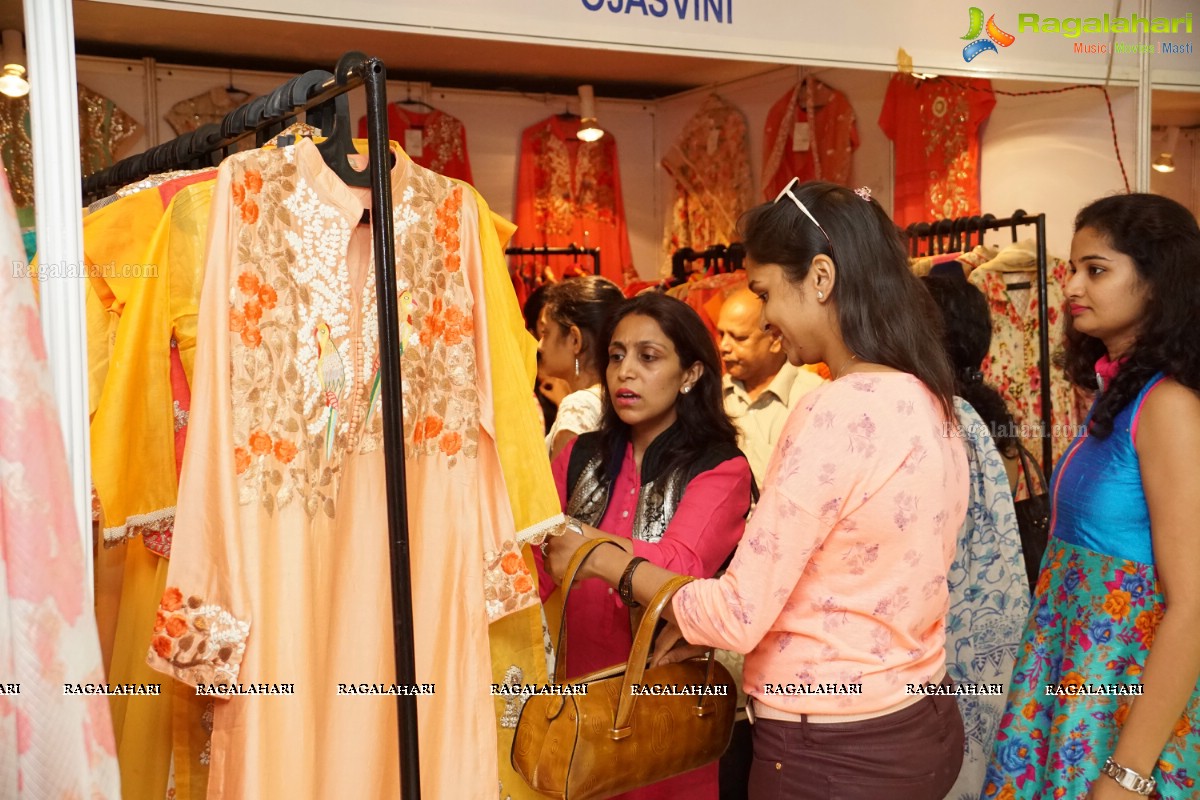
450,443
237,321
199,643
163,646
239,194
254,181
254,311
241,460
267,296
511,563
260,443
248,283
172,599
285,451
250,212
251,336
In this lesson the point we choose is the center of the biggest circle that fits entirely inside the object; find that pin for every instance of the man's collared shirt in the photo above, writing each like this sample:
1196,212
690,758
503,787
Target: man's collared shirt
760,422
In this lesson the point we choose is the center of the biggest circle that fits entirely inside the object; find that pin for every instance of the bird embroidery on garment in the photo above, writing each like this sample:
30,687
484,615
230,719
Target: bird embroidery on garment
406,333
332,375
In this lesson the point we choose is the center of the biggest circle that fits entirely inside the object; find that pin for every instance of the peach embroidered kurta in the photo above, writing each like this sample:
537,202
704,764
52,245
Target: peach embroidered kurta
279,571
840,576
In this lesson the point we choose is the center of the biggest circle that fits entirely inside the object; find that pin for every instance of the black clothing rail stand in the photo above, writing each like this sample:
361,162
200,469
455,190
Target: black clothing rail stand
570,250
317,94
718,258
954,235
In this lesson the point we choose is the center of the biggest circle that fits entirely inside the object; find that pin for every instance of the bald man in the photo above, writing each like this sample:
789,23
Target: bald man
760,386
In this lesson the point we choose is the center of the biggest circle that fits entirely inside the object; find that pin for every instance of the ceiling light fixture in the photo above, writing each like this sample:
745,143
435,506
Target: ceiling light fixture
12,79
1166,158
589,129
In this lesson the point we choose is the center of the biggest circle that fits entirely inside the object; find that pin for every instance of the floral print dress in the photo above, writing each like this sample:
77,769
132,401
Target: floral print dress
1096,609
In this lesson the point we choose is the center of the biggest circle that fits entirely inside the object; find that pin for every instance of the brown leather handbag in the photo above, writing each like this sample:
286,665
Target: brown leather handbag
611,740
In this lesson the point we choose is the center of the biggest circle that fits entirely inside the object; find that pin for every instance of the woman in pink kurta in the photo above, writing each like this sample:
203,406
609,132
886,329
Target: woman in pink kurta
837,592
663,472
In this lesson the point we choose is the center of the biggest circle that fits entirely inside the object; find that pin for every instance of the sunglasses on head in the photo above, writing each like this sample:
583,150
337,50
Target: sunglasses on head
787,190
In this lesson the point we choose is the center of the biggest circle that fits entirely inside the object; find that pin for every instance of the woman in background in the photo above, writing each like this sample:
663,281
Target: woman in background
663,473
989,592
840,577
569,331
1105,698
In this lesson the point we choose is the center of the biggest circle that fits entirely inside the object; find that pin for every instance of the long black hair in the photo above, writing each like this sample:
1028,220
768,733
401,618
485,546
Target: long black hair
586,302
885,316
967,335
701,421
1163,239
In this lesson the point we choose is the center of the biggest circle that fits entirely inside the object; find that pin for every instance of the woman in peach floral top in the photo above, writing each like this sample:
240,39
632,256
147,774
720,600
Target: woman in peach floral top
837,592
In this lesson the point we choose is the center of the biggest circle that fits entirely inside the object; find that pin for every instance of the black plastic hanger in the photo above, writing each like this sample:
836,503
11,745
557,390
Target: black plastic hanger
338,144
232,90
1017,217
409,101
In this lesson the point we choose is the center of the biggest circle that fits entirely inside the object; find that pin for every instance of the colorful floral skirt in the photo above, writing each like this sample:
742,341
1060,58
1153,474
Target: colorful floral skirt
1093,622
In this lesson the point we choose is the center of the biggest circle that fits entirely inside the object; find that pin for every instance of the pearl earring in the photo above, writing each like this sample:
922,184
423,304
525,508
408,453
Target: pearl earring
686,389
820,295
576,366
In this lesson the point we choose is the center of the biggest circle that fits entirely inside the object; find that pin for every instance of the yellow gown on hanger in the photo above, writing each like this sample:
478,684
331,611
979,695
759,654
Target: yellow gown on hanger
518,654
133,463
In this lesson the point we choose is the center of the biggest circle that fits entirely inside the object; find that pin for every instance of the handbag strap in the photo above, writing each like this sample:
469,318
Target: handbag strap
640,653
1028,462
568,581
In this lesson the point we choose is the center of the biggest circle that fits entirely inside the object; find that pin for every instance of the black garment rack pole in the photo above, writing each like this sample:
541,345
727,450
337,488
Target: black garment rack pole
571,250
266,115
968,225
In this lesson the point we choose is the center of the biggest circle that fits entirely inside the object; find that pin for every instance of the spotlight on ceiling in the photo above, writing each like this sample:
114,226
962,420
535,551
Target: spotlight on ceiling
589,129
1166,158
12,79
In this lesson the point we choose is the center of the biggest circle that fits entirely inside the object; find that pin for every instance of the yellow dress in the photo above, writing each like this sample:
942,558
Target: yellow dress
133,462
515,633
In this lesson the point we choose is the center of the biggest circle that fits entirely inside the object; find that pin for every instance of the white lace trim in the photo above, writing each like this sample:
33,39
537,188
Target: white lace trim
156,520
537,533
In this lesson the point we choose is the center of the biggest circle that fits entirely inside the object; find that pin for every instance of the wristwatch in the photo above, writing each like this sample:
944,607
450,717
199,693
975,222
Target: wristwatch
1128,779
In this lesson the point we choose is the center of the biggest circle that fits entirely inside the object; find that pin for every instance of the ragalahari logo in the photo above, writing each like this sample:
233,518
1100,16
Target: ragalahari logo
995,36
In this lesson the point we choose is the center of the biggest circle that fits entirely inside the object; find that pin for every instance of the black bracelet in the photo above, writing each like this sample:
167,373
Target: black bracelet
625,586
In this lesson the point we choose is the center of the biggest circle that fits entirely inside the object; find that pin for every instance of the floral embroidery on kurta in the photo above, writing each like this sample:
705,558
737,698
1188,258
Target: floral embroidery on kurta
198,642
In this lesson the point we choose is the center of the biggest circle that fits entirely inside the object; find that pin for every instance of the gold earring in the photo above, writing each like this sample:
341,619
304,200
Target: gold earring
576,366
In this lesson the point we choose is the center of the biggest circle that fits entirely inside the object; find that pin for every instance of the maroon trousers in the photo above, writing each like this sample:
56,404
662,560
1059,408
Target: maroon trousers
912,754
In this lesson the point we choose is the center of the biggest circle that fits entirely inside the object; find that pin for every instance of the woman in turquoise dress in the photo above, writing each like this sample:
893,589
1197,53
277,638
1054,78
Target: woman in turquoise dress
1105,698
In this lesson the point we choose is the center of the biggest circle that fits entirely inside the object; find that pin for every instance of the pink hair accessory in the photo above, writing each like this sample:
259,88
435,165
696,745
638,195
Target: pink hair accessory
864,192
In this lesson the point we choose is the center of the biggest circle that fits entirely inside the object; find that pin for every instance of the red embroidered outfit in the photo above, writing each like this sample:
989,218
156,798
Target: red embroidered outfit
569,192
710,162
934,125
832,137
443,140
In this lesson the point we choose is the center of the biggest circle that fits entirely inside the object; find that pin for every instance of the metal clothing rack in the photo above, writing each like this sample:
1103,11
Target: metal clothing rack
955,235
569,250
718,257
320,95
